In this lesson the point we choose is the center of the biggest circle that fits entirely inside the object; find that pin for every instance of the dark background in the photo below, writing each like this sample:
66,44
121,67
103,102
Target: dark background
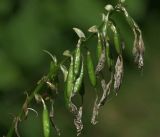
28,26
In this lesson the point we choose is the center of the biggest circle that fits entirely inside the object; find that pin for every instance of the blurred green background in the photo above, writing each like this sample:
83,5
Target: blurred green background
28,26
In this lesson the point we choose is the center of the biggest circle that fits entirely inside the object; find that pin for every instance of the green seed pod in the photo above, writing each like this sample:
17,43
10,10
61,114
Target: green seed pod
94,29
77,59
79,80
70,82
99,46
90,67
117,42
109,57
46,120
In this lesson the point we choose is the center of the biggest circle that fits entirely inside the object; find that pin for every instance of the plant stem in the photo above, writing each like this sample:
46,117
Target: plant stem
30,98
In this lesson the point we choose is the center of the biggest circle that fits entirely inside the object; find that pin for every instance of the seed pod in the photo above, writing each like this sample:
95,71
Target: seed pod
109,57
46,120
99,46
90,68
79,80
94,29
138,46
70,82
77,59
117,43
116,38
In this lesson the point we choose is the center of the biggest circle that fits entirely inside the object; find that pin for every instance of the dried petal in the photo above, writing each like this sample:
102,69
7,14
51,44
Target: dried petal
78,121
67,53
52,119
51,85
33,111
77,117
93,29
106,92
118,74
101,61
109,7
138,49
52,56
25,107
79,33
95,112
16,120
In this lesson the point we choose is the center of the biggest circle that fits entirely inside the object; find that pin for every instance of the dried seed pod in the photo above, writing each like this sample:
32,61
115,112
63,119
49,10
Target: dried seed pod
90,68
77,59
45,120
118,76
101,62
78,82
69,83
138,46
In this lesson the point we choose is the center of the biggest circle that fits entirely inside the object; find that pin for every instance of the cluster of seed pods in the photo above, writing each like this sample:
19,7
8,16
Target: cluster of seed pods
109,50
